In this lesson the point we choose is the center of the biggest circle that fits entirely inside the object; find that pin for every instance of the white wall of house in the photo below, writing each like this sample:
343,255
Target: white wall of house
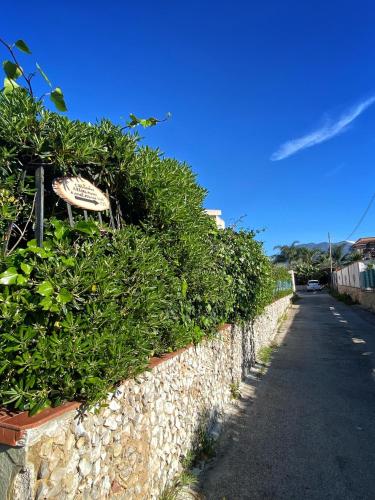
349,275
215,214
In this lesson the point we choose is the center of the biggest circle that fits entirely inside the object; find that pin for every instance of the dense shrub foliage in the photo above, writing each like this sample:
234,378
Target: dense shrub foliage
248,271
81,313
90,307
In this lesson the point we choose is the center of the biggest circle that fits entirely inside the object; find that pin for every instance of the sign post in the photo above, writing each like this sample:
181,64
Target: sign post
70,214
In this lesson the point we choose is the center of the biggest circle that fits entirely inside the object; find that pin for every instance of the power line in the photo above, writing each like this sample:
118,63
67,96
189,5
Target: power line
362,217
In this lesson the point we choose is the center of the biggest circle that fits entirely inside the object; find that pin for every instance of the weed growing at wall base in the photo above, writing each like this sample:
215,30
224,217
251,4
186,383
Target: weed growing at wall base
265,353
182,481
343,297
235,390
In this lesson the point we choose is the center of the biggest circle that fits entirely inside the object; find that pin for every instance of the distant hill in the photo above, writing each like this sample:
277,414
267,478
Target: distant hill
324,246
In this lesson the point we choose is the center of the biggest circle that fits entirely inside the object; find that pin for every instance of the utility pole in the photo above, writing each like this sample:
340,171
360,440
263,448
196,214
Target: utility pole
330,254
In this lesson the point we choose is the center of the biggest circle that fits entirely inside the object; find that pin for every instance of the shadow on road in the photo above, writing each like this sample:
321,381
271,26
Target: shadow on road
306,429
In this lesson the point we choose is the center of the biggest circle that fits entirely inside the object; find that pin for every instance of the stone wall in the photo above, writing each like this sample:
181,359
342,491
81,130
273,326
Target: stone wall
365,298
132,447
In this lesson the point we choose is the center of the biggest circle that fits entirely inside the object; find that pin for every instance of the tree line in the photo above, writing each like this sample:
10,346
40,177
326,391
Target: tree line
313,263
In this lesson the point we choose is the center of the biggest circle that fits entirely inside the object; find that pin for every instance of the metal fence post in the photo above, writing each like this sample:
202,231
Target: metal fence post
39,205
70,214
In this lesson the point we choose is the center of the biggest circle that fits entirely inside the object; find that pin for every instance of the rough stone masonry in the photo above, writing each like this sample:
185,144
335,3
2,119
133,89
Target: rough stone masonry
132,447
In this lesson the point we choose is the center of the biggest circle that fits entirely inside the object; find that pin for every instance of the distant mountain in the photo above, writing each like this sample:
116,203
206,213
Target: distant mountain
324,246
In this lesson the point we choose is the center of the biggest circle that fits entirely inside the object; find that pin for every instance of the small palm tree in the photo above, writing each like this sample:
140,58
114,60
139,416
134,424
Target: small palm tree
339,257
288,253
354,256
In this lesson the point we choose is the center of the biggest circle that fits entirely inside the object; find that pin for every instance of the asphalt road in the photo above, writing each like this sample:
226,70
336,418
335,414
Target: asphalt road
308,431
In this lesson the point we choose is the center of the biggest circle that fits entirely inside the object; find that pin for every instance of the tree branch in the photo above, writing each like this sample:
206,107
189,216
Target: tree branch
9,47
24,230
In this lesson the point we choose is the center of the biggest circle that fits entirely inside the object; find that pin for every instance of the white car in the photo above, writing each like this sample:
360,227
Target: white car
313,286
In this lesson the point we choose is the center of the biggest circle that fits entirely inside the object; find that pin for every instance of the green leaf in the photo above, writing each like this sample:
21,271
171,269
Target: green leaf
148,122
32,244
43,74
145,122
37,407
10,85
12,70
21,279
60,229
184,287
93,380
45,289
57,97
46,303
64,296
9,277
42,252
134,120
21,45
47,245
30,381
87,227
26,268
68,261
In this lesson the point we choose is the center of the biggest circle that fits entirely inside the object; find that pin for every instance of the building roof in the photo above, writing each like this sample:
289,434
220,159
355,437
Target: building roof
364,241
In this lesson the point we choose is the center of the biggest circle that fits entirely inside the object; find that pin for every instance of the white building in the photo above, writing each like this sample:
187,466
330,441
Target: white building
215,214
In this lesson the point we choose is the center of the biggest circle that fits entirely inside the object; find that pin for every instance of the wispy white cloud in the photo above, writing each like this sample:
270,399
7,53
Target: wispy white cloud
329,130
335,170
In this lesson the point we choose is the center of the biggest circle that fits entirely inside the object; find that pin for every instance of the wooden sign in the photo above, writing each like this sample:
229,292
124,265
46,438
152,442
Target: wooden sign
81,193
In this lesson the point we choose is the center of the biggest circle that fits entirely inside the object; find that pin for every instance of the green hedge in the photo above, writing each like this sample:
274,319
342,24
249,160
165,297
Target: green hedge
248,271
81,313
92,306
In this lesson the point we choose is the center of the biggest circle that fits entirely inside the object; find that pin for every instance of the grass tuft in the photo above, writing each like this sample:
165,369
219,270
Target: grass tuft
343,297
235,390
265,353
183,480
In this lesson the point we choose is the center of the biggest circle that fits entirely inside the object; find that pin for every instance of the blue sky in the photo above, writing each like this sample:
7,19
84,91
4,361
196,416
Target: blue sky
242,80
